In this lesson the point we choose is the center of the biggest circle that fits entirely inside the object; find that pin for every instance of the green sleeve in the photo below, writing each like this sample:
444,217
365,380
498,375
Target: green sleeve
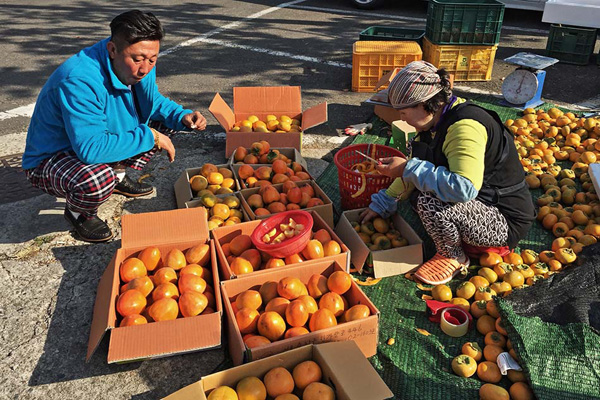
464,148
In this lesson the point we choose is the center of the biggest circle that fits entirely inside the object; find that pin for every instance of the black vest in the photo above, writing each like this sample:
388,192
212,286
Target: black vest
503,180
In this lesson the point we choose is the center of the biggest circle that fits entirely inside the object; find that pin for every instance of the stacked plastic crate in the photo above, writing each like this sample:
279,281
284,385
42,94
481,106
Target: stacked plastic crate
380,50
462,37
571,44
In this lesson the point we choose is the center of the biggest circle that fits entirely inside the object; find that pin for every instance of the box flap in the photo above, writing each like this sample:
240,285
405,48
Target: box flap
104,308
222,112
183,191
192,391
358,250
387,78
351,373
159,339
314,116
163,227
275,100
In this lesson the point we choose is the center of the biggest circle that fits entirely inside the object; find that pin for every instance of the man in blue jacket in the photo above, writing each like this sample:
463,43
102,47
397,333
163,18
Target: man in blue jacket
91,122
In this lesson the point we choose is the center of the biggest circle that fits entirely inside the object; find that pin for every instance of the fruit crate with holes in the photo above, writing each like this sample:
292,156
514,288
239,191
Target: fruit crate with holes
571,44
373,59
467,63
464,21
388,33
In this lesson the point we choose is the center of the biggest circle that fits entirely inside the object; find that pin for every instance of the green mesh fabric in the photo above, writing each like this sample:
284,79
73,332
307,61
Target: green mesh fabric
418,366
562,362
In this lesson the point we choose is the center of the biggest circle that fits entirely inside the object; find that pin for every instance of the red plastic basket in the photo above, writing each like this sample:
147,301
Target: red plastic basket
287,247
350,181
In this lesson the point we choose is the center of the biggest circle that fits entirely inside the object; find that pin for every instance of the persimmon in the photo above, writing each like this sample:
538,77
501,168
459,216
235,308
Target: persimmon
479,281
492,309
295,331
240,266
462,303
499,324
473,350
278,381
290,288
274,263
132,268
253,256
131,302
516,376
488,371
487,391
486,323
310,303
143,284
268,291
256,341
514,279
464,365
278,305
513,258
164,275
150,256
333,302
165,290
321,319
271,325
296,314
240,244
484,293
491,352
317,285
210,297
197,270
163,309
222,393
495,338
441,293
251,387
356,312
318,391
478,308
521,391
306,373
339,282
191,283
248,298
133,319
466,290
199,254
313,250
192,303
247,320
489,259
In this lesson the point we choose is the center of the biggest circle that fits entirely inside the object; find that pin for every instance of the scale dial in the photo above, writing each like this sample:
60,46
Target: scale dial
520,86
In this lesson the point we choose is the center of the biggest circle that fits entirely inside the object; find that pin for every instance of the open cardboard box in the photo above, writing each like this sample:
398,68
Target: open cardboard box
325,210
289,152
198,203
365,332
225,234
262,101
242,184
166,230
399,260
344,368
183,190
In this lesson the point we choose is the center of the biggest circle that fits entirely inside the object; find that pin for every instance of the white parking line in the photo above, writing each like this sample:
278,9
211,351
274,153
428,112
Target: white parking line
24,111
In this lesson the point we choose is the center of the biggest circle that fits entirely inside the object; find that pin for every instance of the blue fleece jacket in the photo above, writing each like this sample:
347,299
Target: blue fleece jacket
83,107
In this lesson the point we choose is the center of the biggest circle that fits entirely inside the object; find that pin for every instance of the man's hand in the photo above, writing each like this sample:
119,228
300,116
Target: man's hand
194,120
392,166
164,142
367,215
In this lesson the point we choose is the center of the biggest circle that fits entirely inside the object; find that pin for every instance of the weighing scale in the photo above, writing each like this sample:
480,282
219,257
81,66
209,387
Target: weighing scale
523,87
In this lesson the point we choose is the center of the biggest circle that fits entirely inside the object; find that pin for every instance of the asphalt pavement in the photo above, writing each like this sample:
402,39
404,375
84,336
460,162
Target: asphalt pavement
49,278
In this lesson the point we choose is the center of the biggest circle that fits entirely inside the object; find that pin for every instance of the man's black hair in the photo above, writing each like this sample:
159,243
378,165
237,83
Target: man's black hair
135,26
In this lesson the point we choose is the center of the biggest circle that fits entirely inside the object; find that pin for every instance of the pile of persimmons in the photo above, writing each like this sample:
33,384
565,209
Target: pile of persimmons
278,172
285,197
303,382
258,153
290,307
244,258
153,290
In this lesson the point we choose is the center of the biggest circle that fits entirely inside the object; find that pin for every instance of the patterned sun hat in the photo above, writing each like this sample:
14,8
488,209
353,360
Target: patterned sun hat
414,84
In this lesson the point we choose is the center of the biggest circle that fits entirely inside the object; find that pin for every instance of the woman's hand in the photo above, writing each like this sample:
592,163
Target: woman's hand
367,215
194,120
392,166
164,142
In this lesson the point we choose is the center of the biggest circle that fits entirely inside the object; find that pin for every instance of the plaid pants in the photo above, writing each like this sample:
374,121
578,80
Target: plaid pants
450,224
85,186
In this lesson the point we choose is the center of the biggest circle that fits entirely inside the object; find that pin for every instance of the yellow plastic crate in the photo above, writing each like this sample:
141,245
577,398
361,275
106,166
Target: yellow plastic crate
466,62
373,59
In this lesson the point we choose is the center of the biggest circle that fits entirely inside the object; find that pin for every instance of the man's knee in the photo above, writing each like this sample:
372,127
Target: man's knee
96,181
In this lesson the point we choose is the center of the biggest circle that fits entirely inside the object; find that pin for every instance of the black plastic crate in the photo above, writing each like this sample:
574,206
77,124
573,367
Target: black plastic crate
392,33
571,44
464,21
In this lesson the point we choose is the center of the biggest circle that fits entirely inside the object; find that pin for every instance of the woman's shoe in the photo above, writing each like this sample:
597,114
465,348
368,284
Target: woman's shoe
440,270
89,229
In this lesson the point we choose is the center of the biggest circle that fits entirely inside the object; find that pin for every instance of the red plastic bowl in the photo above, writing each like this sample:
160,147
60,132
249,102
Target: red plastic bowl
289,246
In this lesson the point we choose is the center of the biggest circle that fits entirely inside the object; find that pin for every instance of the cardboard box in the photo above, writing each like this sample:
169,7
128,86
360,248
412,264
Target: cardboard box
183,190
325,210
198,203
365,332
390,262
166,230
344,368
225,234
242,184
262,101
289,152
